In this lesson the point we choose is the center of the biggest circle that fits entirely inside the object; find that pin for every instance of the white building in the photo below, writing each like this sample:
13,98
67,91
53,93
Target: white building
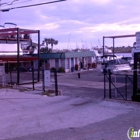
66,60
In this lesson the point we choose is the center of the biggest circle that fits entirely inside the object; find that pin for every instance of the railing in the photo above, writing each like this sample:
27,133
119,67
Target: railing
118,86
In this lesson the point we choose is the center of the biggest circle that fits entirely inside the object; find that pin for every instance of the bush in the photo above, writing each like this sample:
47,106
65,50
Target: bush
61,69
89,66
76,67
94,65
53,69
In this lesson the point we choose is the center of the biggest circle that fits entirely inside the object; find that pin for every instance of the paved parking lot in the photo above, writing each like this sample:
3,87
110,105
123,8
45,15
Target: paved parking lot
80,113
27,115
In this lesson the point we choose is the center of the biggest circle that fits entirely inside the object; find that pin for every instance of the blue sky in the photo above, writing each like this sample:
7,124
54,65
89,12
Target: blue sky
77,23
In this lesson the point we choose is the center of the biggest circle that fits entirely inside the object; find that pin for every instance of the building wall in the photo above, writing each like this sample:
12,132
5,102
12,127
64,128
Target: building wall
52,63
36,64
62,62
77,61
68,63
57,64
88,60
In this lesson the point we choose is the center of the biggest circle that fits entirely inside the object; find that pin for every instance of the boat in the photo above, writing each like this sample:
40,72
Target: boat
114,64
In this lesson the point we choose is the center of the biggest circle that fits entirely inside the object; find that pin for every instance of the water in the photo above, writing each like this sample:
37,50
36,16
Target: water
124,54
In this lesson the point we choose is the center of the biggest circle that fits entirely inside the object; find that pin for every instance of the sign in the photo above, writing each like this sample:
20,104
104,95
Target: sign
2,74
2,71
47,77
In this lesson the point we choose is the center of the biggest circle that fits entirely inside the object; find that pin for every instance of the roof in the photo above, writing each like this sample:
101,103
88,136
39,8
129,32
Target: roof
64,55
5,35
15,31
120,36
108,55
79,54
96,53
14,58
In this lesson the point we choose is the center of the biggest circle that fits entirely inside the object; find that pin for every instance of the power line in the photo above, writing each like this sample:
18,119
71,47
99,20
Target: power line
6,3
18,2
26,6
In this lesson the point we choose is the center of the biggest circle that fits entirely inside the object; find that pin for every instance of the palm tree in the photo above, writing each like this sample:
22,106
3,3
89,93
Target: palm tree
50,41
53,42
45,50
46,41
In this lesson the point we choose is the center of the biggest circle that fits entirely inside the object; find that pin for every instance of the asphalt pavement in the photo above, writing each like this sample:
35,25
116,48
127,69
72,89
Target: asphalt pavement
80,113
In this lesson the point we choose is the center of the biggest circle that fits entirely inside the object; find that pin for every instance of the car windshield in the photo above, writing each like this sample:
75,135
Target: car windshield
122,61
127,58
117,62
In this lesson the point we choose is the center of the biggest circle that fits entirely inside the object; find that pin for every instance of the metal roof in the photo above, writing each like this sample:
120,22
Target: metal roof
79,54
51,55
14,31
120,36
63,55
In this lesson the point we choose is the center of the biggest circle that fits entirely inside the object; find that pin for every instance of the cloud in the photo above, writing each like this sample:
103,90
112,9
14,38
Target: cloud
78,19
100,2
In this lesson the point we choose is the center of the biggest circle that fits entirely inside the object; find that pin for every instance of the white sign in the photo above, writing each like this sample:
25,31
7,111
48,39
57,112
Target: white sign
47,77
2,74
2,71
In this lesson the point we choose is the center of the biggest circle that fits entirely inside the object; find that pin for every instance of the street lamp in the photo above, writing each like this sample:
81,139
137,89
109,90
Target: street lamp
8,9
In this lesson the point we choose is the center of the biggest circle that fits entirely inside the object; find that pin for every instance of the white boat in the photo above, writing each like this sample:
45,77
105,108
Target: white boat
114,64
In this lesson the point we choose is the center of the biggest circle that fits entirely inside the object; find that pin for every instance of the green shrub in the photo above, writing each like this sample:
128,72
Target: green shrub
61,69
76,67
53,69
89,65
94,65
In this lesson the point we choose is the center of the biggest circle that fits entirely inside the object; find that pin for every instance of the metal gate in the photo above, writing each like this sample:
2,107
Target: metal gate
118,86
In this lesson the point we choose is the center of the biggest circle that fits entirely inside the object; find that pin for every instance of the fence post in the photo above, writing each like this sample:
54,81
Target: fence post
126,87
115,80
109,83
33,82
79,75
104,83
56,84
11,81
43,82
